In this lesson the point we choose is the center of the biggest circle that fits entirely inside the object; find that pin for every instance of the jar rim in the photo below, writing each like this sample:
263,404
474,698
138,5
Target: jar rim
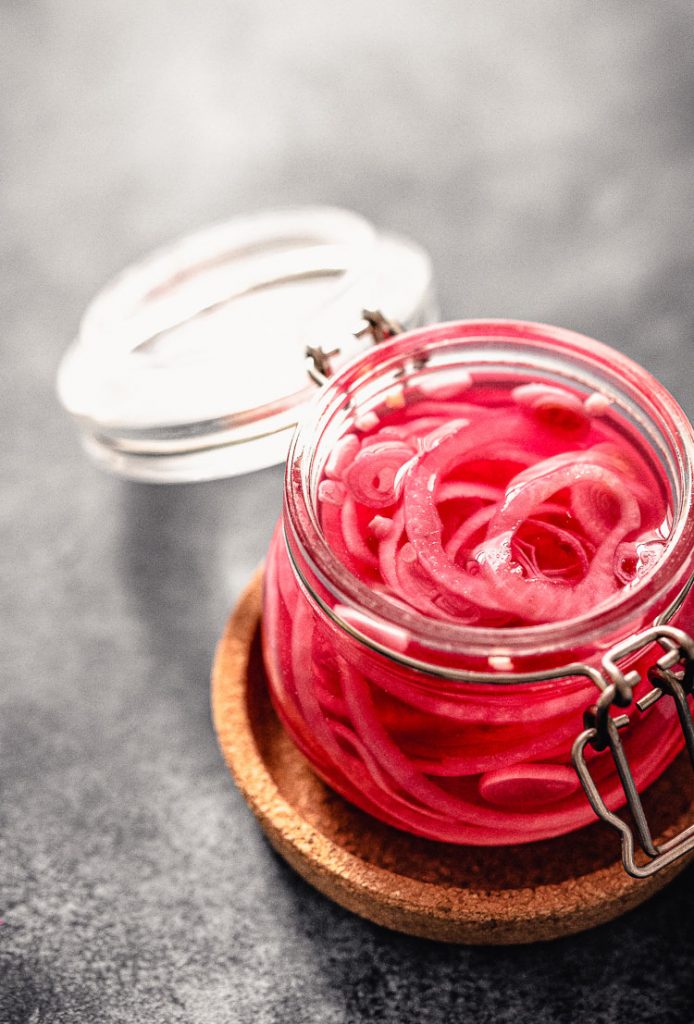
651,397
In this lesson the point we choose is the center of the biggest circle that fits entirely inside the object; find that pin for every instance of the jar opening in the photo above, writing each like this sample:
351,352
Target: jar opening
496,350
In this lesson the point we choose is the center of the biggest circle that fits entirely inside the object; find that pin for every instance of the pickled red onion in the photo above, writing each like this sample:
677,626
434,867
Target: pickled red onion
521,504
372,474
457,489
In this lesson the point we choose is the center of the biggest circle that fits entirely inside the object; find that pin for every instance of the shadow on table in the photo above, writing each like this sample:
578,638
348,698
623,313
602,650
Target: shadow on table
635,969
187,551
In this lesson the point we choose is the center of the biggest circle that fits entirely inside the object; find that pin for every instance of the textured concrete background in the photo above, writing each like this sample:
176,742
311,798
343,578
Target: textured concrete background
544,153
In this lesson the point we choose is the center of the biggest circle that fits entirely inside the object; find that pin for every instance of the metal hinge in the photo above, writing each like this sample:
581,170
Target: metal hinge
378,326
672,676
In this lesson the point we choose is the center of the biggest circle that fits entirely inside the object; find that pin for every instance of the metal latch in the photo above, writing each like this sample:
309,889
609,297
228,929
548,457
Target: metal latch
672,676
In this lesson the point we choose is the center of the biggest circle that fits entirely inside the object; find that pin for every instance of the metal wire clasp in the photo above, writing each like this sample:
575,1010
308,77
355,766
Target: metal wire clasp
672,676
378,326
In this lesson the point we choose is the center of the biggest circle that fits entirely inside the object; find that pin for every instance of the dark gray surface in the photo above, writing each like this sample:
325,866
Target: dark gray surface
544,153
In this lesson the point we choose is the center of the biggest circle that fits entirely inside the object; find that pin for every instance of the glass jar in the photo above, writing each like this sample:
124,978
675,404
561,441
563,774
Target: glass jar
465,733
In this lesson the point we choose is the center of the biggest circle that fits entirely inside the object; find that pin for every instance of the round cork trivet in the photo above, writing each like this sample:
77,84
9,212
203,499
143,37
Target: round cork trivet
504,895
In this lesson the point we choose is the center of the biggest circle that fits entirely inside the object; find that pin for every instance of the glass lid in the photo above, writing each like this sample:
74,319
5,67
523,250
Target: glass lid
191,364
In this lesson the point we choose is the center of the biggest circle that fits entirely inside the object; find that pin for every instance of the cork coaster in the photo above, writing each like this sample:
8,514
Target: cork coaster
492,896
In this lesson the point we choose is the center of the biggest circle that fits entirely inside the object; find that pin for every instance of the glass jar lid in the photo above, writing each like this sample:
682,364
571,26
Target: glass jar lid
191,364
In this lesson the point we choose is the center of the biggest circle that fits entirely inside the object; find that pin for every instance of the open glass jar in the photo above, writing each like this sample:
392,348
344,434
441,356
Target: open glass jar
198,362
482,734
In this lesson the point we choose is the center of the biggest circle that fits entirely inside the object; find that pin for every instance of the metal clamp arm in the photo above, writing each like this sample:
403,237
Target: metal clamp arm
673,676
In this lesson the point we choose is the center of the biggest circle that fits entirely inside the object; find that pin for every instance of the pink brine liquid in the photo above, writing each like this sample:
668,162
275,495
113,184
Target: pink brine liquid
499,503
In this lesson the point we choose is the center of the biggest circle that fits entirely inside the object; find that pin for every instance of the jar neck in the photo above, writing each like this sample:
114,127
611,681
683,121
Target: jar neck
439,353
